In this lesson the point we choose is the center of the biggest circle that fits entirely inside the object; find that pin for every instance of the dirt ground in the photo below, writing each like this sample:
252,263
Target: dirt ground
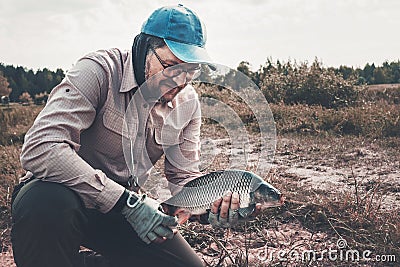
308,170
312,170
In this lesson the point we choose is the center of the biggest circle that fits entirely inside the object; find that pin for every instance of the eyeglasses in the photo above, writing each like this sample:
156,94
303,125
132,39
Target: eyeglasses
171,70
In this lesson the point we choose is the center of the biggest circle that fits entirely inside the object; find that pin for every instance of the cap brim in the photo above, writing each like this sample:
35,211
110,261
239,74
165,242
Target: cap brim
189,53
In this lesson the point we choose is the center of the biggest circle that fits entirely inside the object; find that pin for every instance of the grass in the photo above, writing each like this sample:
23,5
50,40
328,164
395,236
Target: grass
374,120
15,120
377,114
355,212
363,140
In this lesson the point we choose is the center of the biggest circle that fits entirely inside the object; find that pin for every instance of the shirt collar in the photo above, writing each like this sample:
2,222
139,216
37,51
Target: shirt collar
128,77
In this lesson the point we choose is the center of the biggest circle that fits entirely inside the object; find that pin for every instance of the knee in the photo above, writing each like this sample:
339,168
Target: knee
48,206
48,221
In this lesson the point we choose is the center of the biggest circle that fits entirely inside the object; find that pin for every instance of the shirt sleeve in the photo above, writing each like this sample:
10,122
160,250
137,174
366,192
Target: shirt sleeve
182,161
51,145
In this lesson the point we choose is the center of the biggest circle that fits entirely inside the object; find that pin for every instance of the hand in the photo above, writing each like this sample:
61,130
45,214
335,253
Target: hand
228,207
148,221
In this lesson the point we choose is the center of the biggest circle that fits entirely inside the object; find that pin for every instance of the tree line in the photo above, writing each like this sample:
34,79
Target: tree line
23,82
313,84
290,82
388,73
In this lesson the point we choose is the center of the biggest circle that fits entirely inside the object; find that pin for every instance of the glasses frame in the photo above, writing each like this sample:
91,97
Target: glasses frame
191,72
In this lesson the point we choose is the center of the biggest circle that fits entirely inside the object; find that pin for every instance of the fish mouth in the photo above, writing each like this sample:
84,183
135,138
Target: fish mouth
282,199
273,204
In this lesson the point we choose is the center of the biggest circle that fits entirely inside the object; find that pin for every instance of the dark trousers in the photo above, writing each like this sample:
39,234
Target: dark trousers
50,224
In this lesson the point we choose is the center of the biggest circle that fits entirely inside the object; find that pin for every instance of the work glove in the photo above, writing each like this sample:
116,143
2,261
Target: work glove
217,221
224,212
147,219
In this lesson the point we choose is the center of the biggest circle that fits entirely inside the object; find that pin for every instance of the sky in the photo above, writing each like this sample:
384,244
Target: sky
55,34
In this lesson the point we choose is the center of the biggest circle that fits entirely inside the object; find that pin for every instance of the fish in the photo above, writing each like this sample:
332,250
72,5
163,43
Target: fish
196,196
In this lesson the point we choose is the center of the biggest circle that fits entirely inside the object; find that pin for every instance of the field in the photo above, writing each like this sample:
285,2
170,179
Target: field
338,168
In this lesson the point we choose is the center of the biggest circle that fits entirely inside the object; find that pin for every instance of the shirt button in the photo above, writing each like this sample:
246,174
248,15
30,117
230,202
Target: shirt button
139,134
145,105
135,161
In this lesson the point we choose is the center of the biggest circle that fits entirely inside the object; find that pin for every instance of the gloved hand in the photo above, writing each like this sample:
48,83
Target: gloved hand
147,220
224,211
217,221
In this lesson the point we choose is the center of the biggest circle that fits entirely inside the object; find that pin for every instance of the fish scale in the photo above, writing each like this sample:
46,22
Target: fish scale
198,194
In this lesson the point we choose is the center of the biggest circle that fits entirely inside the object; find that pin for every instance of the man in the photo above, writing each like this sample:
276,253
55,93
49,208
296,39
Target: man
104,126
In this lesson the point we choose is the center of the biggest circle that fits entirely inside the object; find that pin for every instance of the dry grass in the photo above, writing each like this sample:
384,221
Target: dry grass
374,120
316,217
389,93
354,150
15,120
377,114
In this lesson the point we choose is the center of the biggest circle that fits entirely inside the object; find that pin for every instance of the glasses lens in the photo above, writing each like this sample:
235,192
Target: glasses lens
191,70
173,71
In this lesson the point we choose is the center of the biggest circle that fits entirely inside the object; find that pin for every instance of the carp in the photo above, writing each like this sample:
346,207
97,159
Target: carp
196,196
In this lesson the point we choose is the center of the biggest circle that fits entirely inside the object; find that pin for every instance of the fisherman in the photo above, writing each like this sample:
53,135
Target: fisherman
78,190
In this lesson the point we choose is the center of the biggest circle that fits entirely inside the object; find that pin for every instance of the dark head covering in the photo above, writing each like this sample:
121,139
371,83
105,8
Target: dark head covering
139,51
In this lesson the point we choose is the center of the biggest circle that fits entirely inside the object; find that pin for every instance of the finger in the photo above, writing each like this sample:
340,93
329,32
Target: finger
215,206
146,239
235,201
226,201
164,232
155,238
159,240
152,236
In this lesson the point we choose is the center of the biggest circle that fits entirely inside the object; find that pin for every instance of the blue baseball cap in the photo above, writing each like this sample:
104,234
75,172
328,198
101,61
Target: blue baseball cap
182,31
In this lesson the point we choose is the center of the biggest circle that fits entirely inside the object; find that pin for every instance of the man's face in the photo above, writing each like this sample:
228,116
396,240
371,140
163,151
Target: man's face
169,87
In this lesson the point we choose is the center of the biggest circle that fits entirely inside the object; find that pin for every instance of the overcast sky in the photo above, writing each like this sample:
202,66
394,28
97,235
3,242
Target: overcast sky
54,34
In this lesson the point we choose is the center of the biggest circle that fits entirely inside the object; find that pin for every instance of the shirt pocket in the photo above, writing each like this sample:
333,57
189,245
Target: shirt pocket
114,121
168,136
114,138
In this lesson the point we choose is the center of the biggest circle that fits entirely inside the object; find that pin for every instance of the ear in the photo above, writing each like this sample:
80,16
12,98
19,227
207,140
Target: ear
182,214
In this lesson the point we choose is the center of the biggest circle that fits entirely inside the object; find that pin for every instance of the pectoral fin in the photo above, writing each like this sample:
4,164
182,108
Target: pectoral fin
182,214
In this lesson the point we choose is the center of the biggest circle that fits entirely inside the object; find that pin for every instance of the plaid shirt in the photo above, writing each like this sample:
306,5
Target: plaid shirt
81,138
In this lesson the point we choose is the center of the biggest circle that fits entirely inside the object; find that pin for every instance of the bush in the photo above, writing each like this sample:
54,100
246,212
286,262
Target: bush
302,84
